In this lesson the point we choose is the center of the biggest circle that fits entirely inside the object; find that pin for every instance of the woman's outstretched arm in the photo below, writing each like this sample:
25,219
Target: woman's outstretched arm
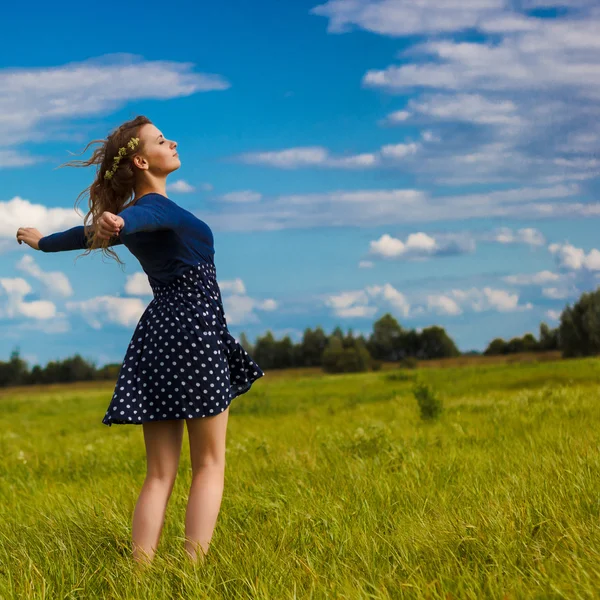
70,239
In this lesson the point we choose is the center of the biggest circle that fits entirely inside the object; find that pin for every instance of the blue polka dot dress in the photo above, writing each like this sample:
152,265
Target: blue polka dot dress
182,362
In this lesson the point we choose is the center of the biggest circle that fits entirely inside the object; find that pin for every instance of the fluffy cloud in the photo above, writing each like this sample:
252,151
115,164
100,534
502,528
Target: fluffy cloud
489,299
556,293
33,99
239,307
138,285
570,257
420,245
317,156
540,278
528,235
56,283
520,104
19,212
395,17
366,302
234,286
356,303
13,305
554,315
180,186
375,207
103,310
443,305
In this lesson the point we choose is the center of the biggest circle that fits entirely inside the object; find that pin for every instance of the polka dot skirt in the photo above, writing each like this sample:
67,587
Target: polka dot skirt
182,362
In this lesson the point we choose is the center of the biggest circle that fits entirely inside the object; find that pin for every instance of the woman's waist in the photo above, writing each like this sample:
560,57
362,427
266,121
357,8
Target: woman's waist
187,277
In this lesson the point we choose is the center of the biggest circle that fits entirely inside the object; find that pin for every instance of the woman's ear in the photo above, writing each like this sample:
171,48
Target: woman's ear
140,162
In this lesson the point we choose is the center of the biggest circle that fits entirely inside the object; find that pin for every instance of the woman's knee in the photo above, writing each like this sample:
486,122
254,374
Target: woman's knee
163,480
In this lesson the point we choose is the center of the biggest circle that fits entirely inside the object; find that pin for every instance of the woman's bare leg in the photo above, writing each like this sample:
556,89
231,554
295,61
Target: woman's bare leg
207,452
163,447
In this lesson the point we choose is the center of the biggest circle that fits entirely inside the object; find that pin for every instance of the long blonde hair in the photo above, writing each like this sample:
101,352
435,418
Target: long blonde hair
109,194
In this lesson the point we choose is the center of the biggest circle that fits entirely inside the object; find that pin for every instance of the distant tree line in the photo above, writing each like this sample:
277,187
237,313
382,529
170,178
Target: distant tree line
577,335
76,368
335,353
343,352
548,340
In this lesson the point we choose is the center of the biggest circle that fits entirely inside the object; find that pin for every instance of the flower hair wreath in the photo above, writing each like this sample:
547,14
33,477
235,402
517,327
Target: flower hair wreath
133,142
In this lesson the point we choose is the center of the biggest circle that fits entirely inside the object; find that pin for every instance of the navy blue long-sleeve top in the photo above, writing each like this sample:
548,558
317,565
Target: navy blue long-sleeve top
164,237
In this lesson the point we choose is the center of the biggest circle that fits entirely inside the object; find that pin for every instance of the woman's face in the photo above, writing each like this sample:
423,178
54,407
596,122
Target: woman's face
159,155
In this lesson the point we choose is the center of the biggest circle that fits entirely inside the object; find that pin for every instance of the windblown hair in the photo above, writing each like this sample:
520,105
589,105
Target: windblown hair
109,194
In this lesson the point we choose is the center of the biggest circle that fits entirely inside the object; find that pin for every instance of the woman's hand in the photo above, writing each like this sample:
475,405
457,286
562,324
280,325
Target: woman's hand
30,235
109,225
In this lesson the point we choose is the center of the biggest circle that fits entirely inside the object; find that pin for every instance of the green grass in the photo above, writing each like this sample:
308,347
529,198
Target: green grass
334,488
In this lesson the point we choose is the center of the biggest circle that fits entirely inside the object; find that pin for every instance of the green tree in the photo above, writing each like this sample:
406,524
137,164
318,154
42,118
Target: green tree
496,346
548,338
579,330
385,343
436,343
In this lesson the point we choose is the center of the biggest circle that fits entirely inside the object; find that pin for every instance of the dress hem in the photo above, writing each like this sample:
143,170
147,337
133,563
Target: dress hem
241,390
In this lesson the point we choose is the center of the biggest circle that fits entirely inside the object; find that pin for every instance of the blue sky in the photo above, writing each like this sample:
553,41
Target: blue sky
435,160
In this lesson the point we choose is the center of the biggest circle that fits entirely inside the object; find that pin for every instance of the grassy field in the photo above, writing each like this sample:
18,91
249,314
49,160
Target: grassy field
335,488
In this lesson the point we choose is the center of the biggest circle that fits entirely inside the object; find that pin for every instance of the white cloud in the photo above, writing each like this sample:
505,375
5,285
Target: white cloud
235,286
429,136
138,285
103,310
309,156
350,304
13,305
19,212
540,278
508,106
364,303
56,283
181,186
366,264
374,207
473,108
399,151
443,305
395,17
317,156
554,315
239,307
242,196
420,245
398,116
397,300
34,99
12,158
489,299
570,257
556,293
527,235
269,304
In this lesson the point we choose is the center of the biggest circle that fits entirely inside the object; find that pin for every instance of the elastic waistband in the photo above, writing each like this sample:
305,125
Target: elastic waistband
188,279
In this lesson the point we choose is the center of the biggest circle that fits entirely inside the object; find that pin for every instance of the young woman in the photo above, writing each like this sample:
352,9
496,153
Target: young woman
182,364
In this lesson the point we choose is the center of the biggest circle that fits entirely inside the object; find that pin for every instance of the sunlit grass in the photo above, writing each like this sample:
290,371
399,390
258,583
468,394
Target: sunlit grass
335,488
